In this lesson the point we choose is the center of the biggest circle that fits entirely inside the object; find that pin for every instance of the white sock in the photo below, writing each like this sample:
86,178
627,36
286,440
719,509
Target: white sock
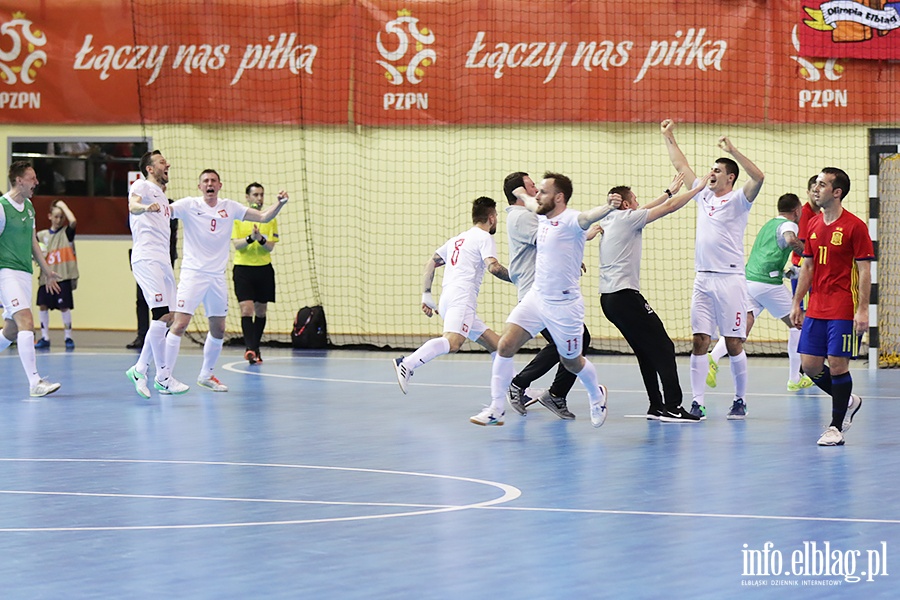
502,372
588,377
793,355
739,372
45,324
154,347
25,343
67,323
426,352
172,347
212,348
719,350
699,367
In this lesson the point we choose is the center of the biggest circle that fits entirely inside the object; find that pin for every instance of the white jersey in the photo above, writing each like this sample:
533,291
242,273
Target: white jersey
620,250
150,231
464,257
560,251
207,231
721,221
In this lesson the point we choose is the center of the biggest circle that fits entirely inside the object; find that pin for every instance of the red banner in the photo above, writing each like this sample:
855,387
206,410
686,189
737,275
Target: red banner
851,29
95,62
441,62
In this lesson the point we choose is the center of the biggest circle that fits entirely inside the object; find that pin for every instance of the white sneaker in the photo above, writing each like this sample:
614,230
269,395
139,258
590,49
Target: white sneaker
140,382
42,388
598,410
403,373
852,409
212,382
831,437
171,387
488,416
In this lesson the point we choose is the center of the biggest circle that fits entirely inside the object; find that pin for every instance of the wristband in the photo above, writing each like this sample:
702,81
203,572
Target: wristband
249,239
668,193
262,241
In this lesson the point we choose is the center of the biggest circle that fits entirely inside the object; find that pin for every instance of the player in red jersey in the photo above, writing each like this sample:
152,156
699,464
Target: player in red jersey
837,272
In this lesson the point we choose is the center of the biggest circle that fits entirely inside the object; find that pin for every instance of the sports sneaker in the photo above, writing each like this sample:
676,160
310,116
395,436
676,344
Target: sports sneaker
738,410
517,399
212,382
403,374
712,372
42,344
698,410
655,412
831,437
801,384
598,410
171,387
258,356
140,382
250,356
487,416
852,408
556,405
42,388
678,415
70,344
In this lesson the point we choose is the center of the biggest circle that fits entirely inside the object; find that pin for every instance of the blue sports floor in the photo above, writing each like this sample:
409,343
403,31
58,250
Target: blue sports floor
314,477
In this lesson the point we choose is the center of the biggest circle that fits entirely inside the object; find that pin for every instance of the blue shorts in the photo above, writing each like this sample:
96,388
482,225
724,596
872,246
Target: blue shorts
824,337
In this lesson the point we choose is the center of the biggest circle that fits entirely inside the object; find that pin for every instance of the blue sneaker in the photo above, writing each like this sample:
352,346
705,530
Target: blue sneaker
738,410
70,344
42,344
698,410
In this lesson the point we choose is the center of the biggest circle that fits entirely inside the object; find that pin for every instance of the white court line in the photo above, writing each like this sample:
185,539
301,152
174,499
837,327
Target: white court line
509,493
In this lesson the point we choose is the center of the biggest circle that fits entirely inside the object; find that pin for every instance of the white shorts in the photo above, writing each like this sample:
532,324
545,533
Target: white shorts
766,296
157,282
720,301
15,291
460,317
196,287
563,319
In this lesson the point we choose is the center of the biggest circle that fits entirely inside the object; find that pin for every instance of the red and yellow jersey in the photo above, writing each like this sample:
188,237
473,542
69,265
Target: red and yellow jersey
805,218
834,250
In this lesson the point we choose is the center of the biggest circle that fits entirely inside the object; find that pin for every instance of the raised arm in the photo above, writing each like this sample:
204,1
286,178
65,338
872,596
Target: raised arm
752,187
794,242
530,201
70,216
136,208
258,216
591,216
679,161
670,205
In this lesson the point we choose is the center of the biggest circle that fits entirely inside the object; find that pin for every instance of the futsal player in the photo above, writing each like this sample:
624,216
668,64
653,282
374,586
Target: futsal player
554,301
465,257
208,222
719,300
837,272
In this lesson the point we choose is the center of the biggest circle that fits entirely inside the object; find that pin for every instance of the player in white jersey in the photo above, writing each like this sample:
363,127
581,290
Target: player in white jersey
207,223
554,301
465,258
720,297
149,218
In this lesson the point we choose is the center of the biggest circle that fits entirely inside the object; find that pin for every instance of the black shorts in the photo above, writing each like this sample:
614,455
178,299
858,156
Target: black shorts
59,301
254,283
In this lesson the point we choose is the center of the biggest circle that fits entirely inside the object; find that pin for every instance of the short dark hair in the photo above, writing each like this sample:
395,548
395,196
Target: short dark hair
623,190
812,182
251,186
788,202
561,183
841,180
513,181
147,160
17,169
213,171
482,208
731,167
